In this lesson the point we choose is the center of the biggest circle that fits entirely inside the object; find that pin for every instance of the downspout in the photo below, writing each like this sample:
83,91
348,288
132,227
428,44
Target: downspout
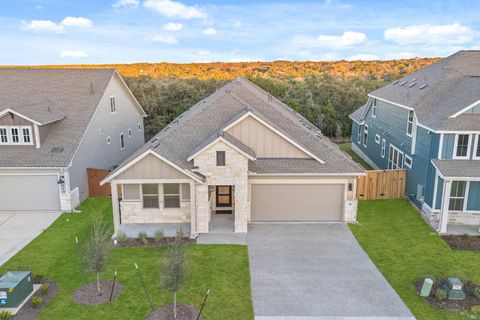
193,209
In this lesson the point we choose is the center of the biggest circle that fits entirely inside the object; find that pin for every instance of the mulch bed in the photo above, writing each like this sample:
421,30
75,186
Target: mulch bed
151,242
89,295
452,305
184,312
27,312
463,242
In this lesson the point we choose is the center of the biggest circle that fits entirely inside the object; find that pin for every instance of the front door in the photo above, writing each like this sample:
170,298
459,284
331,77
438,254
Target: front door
224,196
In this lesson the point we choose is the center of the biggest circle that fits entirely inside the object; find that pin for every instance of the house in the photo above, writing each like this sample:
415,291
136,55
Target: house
55,123
429,123
239,155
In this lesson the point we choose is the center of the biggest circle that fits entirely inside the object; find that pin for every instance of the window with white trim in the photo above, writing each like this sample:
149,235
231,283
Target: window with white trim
150,196
377,138
462,146
359,134
16,135
374,108
477,149
129,132
457,196
408,161
384,145
365,136
113,106
26,135
410,123
171,195
395,158
122,141
3,135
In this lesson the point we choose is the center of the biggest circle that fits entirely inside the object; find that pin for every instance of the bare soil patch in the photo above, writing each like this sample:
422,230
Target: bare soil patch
453,305
184,312
28,312
151,242
89,295
463,242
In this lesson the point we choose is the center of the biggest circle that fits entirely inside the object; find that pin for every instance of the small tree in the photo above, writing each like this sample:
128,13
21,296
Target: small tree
96,251
174,271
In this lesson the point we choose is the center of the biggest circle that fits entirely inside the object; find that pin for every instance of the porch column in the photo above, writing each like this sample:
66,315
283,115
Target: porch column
115,208
193,211
447,187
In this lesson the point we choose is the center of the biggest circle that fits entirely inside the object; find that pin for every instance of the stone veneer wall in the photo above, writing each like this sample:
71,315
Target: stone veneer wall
133,212
234,173
458,218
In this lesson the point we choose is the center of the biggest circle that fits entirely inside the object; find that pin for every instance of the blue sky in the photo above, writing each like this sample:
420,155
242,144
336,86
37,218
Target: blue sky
124,31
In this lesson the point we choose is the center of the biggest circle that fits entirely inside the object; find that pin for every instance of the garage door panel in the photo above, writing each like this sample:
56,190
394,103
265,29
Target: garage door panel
296,202
25,193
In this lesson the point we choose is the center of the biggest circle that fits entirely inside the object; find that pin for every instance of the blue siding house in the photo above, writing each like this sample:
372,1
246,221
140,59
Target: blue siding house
429,124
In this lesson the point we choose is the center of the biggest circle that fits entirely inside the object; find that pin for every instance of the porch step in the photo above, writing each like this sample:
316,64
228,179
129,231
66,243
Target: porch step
222,238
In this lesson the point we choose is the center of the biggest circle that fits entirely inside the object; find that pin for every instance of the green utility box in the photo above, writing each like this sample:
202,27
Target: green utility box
15,287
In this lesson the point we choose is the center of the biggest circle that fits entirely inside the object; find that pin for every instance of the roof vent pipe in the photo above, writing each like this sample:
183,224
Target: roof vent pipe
91,88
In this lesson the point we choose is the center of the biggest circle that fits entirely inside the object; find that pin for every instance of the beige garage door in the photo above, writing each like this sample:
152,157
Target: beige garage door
297,202
29,193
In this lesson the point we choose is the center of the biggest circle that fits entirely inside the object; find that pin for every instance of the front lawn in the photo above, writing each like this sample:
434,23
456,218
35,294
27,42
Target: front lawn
223,269
405,250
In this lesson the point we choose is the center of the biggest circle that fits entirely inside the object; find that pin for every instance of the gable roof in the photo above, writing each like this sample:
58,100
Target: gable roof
195,127
46,96
439,91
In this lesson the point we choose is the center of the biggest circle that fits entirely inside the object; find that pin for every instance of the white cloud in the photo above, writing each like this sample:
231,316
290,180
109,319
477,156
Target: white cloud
209,32
73,54
430,34
76,22
237,24
172,26
400,55
174,9
347,40
43,25
126,3
167,39
364,57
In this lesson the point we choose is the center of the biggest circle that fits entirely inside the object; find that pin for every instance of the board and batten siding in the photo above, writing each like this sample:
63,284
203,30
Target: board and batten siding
151,167
265,142
473,203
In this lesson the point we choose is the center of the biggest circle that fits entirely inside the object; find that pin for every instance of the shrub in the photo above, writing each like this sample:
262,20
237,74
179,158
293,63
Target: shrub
121,236
5,315
44,288
143,237
159,235
476,292
36,301
441,294
38,278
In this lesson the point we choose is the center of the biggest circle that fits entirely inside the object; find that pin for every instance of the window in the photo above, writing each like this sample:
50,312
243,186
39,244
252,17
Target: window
221,158
171,195
15,137
462,146
476,154
3,135
408,161
139,127
384,145
122,141
26,135
410,123
365,136
113,106
359,134
457,196
129,133
377,138
374,108
109,140
150,195
395,158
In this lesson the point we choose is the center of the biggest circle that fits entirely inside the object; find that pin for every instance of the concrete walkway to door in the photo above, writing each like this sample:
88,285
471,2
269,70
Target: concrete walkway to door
17,229
316,271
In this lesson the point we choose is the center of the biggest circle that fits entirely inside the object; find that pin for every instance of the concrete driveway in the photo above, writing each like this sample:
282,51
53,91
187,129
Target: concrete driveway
17,229
316,271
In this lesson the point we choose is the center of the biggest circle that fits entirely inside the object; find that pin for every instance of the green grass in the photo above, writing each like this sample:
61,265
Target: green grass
347,147
223,269
405,250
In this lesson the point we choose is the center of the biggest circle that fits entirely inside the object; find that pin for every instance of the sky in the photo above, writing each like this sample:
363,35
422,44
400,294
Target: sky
125,31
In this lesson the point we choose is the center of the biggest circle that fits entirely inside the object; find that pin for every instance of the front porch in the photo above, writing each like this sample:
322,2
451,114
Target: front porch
131,230
458,229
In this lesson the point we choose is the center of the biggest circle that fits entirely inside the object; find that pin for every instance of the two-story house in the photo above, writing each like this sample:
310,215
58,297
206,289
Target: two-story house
238,156
429,123
56,123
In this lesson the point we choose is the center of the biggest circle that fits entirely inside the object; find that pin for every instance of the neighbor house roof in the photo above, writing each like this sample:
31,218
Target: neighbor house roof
458,168
200,125
437,92
46,96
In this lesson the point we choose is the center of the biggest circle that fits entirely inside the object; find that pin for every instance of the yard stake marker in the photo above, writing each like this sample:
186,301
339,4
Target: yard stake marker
203,304
113,285
144,287
80,261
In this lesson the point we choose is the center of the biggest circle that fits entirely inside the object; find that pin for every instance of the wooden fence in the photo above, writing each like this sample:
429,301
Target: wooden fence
382,184
94,178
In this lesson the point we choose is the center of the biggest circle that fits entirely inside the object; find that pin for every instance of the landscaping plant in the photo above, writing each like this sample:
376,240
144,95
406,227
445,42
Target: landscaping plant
5,315
36,301
159,236
143,237
441,294
476,292
44,288
174,271
95,253
121,236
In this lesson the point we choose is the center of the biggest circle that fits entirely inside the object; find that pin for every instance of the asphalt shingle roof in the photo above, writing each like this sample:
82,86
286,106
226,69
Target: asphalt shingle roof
46,96
458,168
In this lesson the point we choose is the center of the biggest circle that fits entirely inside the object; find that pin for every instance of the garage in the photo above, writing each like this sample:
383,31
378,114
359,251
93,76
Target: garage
29,192
297,202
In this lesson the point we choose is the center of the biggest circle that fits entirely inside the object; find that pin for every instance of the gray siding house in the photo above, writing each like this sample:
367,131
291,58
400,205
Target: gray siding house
238,156
55,123
429,123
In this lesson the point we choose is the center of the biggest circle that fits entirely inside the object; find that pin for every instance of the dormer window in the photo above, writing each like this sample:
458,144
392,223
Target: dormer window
113,107
3,135
26,135
15,135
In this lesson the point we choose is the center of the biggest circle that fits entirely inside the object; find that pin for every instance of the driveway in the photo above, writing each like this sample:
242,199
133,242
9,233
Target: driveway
17,229
316,271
